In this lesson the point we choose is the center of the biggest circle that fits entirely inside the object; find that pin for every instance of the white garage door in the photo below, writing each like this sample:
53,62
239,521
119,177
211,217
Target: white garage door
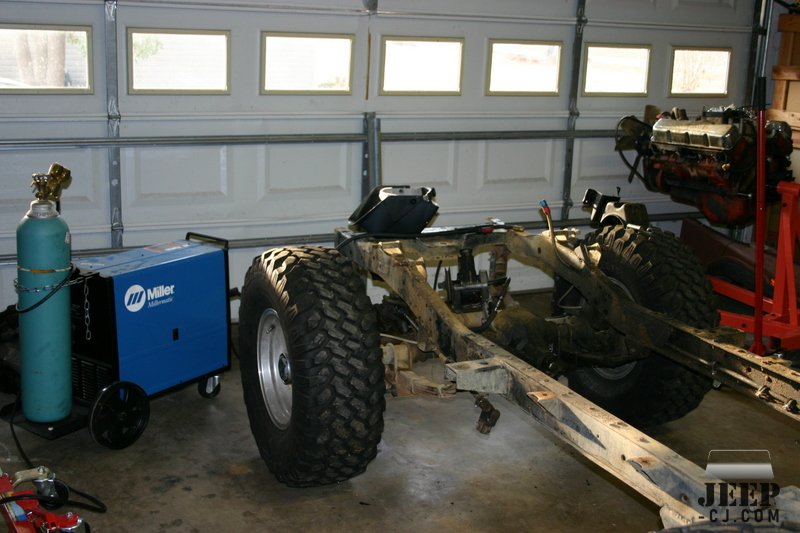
433,66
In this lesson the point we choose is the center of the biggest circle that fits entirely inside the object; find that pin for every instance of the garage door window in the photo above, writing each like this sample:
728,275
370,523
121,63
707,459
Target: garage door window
45,59
417,66
306,63
613,70
523,67
700,71
184,61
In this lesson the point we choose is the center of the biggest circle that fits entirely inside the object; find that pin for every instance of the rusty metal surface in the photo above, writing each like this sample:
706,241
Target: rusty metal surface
409,383
398,360
706,351
480,375
401,263
667,479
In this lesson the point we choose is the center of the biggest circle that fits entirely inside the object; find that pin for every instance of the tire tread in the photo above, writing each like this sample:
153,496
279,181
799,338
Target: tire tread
669,279
337,417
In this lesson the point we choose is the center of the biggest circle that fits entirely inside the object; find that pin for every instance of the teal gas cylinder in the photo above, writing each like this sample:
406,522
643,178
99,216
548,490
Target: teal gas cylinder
43,266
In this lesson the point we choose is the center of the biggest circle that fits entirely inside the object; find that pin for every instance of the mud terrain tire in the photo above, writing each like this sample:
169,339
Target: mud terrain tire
658,271
311,365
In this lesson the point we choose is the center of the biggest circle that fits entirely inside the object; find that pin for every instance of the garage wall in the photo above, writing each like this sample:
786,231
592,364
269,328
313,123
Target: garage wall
251,191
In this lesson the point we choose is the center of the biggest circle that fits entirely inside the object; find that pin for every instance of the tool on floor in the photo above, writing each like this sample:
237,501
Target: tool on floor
32,511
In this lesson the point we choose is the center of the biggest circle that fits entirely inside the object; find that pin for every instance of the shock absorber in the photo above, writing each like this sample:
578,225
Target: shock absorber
43,270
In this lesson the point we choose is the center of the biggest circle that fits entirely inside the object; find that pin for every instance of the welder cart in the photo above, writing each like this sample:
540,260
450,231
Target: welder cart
144,321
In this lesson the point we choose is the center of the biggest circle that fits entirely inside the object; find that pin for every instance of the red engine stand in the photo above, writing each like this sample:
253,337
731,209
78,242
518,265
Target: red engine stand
780,319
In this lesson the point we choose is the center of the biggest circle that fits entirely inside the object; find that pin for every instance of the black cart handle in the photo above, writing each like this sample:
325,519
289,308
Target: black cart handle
200,237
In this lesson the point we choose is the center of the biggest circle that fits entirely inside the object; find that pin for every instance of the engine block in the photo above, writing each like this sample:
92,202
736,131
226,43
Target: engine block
711,162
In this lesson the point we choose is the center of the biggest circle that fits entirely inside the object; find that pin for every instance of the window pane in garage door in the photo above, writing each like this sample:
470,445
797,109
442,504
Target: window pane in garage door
53,59
519,67
421,65
700,71
616,69
178,61
306,63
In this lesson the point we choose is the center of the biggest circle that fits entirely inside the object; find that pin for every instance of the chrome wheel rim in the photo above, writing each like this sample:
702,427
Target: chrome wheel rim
274,369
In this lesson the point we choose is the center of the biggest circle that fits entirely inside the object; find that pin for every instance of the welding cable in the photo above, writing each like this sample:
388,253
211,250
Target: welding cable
493,313
54,502
618,138
436,276
53,291
22,454
549,219
95,505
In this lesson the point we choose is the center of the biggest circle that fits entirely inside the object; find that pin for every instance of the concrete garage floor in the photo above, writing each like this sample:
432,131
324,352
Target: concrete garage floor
196,469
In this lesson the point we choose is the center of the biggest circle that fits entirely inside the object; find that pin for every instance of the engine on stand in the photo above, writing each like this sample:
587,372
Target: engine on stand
709,162
713,163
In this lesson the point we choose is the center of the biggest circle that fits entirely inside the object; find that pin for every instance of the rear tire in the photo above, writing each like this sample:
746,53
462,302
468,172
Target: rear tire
311,365
658,271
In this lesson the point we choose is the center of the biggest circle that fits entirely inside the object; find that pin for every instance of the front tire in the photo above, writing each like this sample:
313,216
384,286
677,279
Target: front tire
658,271
311,365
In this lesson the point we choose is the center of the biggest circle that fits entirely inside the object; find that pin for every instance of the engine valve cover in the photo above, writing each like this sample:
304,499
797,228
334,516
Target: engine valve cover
668,133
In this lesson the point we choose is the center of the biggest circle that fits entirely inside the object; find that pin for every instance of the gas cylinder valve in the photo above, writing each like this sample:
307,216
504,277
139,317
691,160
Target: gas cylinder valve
47,186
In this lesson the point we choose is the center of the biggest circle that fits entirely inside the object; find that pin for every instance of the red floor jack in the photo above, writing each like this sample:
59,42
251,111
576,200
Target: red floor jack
22,511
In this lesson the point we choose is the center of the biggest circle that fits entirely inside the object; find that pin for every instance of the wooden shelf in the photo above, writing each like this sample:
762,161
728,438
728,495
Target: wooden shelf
786,77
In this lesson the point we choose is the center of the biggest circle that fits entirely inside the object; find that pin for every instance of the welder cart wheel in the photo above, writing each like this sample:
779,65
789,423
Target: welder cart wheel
209,387
658,271
119,415
311,365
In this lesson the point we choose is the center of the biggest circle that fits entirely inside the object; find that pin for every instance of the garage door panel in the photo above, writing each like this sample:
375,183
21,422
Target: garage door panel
311,170
549,9
470,176
229,186
517,163
593,165
50,126
235,124
594,170
244,80
84,203
661,42
164,176
722,12
432,164
302,183
189,185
